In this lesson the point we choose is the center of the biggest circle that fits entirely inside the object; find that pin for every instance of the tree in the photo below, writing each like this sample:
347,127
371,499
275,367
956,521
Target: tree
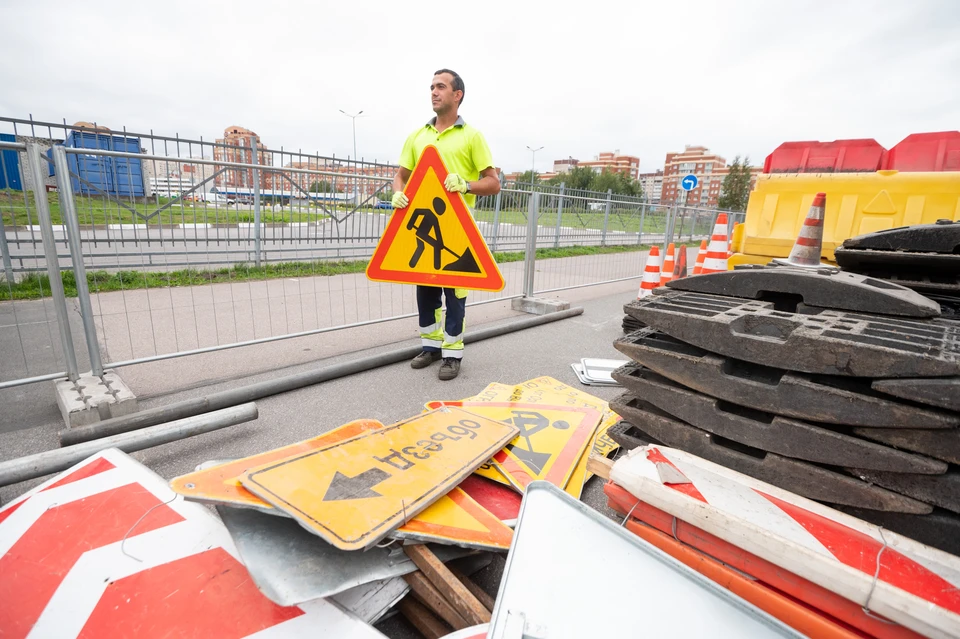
579,177
735,190
527,177
323,186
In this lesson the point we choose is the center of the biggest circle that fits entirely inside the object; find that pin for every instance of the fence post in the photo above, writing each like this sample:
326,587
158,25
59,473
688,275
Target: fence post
5,252
256,203
68,211
606,218
643,212
529,263
556,235
496,215
50,254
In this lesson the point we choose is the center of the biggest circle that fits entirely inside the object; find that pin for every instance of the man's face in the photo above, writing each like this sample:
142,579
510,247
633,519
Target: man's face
442,95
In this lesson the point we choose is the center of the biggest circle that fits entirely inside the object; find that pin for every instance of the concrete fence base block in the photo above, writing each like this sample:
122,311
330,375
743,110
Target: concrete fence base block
91,399
538,305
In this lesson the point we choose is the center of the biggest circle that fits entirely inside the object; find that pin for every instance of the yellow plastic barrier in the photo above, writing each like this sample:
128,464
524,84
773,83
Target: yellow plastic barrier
857,203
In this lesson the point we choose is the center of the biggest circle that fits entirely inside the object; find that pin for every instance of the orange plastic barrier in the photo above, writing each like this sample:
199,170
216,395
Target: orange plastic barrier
821,599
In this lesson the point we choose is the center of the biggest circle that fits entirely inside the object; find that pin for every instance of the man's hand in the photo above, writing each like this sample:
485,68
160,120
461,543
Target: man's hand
455,184
399,200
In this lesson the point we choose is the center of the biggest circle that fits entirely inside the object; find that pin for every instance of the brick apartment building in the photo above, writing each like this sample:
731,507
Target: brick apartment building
628,165
237,136
365,187
710,170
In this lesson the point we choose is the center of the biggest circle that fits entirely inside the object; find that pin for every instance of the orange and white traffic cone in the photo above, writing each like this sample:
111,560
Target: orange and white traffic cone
809,244
701,254
669,263
715,261
681,271
651,273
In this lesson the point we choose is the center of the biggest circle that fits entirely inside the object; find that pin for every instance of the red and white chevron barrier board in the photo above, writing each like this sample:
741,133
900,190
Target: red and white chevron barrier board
106,549
916,585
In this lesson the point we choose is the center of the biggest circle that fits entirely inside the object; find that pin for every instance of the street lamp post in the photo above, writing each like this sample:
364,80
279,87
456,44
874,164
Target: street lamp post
533,163
354,118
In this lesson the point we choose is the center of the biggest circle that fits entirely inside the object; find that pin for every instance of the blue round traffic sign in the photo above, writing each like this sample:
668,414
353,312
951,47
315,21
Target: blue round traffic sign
689,182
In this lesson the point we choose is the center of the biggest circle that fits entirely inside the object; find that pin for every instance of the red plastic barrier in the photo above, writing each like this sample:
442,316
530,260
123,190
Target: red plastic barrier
840,156
926,152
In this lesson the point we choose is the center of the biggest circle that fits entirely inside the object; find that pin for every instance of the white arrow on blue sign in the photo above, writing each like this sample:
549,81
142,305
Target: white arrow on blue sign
689,182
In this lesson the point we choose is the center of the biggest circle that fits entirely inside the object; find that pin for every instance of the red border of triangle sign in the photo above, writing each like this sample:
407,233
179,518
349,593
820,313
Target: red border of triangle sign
489,280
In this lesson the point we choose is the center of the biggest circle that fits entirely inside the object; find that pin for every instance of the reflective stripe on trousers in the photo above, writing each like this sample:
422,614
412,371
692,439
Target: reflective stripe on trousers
442,329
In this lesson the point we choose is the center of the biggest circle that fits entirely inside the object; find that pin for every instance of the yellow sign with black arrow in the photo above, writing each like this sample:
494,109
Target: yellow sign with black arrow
355,492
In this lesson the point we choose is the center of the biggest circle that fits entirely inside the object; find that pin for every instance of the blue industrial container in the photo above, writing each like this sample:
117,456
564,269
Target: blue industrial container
114,176
10,166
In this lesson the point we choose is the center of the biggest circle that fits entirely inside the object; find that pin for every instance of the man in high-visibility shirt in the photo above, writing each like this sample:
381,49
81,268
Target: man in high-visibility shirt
467,157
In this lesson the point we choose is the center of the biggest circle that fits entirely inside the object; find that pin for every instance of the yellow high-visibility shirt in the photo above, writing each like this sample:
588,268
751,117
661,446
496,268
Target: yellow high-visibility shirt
463,148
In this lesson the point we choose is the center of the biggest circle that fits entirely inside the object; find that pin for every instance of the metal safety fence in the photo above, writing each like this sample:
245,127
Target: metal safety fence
171,247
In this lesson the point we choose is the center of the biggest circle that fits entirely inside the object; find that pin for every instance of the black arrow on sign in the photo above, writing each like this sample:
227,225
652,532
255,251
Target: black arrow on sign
359,487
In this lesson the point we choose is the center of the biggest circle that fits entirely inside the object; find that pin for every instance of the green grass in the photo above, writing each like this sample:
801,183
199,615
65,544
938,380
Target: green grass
36,286
100,211
624,220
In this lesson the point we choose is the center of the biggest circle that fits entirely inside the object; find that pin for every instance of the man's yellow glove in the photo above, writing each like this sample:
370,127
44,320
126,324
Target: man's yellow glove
455,184
399,200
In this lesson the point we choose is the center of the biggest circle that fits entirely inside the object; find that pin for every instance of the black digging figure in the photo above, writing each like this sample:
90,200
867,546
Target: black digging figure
430,222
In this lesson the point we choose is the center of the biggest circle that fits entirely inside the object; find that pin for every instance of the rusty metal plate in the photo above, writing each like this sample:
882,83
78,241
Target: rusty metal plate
825,287
938,490
941,237
802,478
355,492
860,259
943,393
940,529
821,398
768,432
939,444
826,343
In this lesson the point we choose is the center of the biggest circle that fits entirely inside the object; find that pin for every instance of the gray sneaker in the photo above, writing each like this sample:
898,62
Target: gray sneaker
424,359
449,369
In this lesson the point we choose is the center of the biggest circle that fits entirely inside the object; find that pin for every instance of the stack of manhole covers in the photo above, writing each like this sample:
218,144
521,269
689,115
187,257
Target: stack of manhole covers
834,385
924,257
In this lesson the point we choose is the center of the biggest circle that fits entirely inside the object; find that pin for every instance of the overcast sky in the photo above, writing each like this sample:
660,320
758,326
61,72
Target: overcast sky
644,78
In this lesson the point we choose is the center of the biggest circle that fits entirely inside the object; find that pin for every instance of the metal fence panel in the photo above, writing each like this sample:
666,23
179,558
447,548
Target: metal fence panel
36,337
193,246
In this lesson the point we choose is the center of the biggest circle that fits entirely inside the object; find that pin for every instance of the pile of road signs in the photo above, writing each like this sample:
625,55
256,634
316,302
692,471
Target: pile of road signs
816,569
831,384
344,510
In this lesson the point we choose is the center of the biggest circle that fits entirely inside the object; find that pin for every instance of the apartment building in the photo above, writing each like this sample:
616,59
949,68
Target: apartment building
236,145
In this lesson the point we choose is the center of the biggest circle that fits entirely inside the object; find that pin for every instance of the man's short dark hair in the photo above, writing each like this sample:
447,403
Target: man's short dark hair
457,82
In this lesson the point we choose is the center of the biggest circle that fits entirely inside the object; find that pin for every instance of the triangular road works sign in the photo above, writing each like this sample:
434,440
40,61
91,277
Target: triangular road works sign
434,241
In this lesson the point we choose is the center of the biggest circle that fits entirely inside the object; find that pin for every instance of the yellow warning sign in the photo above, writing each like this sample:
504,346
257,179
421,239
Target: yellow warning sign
551,440
221,484
456,518
547,390
602,445
434,241
355,492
